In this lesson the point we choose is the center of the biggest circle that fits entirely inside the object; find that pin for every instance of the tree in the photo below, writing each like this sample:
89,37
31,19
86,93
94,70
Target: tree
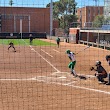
11,2
98,21
64,11
107,20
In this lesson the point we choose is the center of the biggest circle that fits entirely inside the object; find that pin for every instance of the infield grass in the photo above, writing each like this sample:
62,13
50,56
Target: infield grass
36,42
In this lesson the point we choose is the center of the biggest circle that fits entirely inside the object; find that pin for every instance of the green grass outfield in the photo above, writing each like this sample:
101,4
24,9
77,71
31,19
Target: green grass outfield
36,42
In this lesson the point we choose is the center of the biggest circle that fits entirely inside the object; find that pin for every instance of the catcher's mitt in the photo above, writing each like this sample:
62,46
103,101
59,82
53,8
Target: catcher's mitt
91,68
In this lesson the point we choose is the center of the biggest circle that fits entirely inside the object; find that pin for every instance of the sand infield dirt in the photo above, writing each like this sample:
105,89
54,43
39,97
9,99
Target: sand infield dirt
38,78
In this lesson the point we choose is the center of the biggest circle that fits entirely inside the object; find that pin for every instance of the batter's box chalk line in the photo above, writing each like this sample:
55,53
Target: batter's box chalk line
55,80
49,78
67,74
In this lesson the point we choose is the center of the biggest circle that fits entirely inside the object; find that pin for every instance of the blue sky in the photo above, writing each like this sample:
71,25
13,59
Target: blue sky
42,3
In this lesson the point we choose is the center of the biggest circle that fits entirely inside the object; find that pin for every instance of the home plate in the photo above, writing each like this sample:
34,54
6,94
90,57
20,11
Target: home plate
32,49
62,77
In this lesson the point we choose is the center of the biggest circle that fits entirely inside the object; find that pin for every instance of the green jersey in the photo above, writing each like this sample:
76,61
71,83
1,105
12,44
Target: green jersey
58,40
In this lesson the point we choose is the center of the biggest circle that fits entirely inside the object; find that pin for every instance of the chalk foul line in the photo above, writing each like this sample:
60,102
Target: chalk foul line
46,53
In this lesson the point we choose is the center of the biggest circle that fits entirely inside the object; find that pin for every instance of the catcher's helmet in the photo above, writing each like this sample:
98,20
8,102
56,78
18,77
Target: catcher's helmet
98,63
68,51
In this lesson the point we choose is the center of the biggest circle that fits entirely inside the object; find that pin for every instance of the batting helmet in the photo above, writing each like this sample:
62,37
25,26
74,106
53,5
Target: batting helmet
98,63
68,51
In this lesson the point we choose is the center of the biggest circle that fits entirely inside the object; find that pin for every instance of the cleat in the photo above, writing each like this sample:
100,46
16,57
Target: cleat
100,82
74,76
82,77
107,83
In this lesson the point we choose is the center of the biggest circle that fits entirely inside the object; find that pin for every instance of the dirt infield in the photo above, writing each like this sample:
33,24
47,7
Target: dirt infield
38,78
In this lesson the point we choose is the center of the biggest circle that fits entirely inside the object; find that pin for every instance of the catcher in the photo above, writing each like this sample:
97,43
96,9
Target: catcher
11,45
108,59
100,72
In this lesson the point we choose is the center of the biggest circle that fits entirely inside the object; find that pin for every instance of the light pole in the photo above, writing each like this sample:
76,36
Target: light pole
21,27
51,17
96,2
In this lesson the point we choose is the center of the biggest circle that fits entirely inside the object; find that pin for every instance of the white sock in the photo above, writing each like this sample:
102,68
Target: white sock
74,72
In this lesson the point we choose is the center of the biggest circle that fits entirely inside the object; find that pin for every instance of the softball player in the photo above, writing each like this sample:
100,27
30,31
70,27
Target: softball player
58,41
72,64
31,39
11,45
100,72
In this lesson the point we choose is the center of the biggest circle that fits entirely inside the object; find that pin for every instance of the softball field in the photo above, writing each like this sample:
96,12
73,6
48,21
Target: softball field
38,78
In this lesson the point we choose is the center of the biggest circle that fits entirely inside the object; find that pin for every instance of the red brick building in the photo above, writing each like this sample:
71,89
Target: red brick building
87,14
27,19
87,34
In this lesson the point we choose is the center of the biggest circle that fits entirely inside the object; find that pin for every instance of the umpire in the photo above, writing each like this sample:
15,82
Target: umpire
108,59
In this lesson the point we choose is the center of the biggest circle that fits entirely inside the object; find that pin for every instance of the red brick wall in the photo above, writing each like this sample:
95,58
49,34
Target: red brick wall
55,24
39,19
73,30
89,13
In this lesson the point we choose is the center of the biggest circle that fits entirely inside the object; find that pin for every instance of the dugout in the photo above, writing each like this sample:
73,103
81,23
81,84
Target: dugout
41,35
95,35
96,38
